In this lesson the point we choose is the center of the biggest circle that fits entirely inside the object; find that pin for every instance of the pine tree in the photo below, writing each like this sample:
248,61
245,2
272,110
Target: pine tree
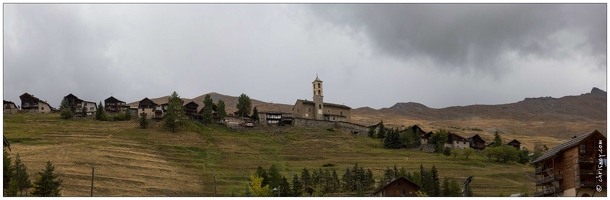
297,186
347,179
244,105
382,130
497,140
275,178
143,121
255,115
175,113
8,169
435,183
370,179
335,181
21,175
221,110
100,113
402,172
305,178
260,172
207,109
47,184
284,188
13,187
454,189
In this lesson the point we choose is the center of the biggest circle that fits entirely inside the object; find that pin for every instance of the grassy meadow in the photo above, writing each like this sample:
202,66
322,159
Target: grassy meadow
130,161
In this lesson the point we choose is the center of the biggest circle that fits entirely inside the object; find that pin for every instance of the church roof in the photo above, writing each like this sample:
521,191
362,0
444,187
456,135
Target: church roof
317,79
326,104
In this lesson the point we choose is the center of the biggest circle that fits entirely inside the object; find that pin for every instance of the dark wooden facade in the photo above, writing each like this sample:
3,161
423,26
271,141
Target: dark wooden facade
572,166
146,103
29,102
401,187
515,143
476,142
190,110
452,137
114,105
74,100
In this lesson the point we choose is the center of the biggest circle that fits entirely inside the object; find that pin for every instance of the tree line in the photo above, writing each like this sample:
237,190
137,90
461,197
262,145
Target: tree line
355,179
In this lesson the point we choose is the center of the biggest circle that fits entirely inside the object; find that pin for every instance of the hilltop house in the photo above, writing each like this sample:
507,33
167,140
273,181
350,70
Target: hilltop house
576,168
146,107
456,141
80,105
274,118
30,103
10,107
318,110
476,142
400,187
425,137
214,112
113,105
515,143
190,110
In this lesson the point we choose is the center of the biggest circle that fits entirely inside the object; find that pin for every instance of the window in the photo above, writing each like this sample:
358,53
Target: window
142,109
583,148
341,113
319,85
328,111
309,109
297,111
319,106
41,108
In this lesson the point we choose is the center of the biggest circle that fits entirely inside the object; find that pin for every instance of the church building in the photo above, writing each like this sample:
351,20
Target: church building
318,109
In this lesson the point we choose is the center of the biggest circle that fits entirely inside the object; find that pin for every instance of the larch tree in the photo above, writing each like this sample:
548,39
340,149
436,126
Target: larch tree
207,109
47,183
255,115
222,113
175,117
21,175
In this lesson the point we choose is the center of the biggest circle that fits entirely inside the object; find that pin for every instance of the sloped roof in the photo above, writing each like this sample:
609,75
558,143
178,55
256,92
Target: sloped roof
326,104
111,98
563,146
390,183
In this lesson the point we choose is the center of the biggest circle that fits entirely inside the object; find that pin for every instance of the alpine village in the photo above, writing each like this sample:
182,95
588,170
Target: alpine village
217,145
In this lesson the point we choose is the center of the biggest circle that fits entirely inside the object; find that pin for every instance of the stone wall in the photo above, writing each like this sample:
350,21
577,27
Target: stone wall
345,126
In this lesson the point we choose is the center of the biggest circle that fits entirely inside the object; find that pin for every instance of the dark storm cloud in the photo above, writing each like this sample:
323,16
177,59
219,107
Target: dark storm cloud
474,37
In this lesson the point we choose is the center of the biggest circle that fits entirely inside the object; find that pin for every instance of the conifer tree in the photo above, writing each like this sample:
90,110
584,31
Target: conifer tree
47,184
434,182
8,169
207,109
497,140
297,186
305,178
445,191
143,121
21,175
244,105
100,113
371,132
336,183
382,130
255,115
12,189
260,172
175,113
347,179
275,178
285,187
222,113
65,109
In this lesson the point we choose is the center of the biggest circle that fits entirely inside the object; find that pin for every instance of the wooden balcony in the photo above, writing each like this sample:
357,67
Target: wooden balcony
586,160
548,179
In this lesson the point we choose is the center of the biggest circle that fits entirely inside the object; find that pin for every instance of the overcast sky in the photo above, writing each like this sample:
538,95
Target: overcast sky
372,55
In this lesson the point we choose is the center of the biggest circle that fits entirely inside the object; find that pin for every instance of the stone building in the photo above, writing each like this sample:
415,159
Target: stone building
318,109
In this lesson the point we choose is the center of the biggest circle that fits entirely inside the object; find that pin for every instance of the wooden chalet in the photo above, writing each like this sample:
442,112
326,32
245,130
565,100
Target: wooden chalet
400,187
515,143
476,142
190,110
10,107
214,112
456,141
576,168
146,107
79,104
113,105
29,103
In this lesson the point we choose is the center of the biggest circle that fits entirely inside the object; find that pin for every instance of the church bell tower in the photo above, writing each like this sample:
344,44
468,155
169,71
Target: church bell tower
318,99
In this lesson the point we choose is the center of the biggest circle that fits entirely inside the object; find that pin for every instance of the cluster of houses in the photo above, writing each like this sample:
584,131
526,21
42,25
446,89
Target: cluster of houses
457,141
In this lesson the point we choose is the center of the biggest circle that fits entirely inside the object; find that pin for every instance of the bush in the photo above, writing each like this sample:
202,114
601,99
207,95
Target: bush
66,113
328,165
330,129
143,121
120,116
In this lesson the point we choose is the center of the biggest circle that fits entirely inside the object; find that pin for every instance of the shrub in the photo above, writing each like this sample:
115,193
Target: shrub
143,121
328,165
66,113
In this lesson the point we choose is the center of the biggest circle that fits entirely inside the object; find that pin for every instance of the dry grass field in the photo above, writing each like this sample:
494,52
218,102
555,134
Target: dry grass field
130,161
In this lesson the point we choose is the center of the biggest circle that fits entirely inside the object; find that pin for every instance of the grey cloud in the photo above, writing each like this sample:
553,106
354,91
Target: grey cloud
470,36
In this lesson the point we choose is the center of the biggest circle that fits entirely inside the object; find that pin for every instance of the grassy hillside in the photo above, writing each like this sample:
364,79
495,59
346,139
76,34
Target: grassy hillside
130,161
